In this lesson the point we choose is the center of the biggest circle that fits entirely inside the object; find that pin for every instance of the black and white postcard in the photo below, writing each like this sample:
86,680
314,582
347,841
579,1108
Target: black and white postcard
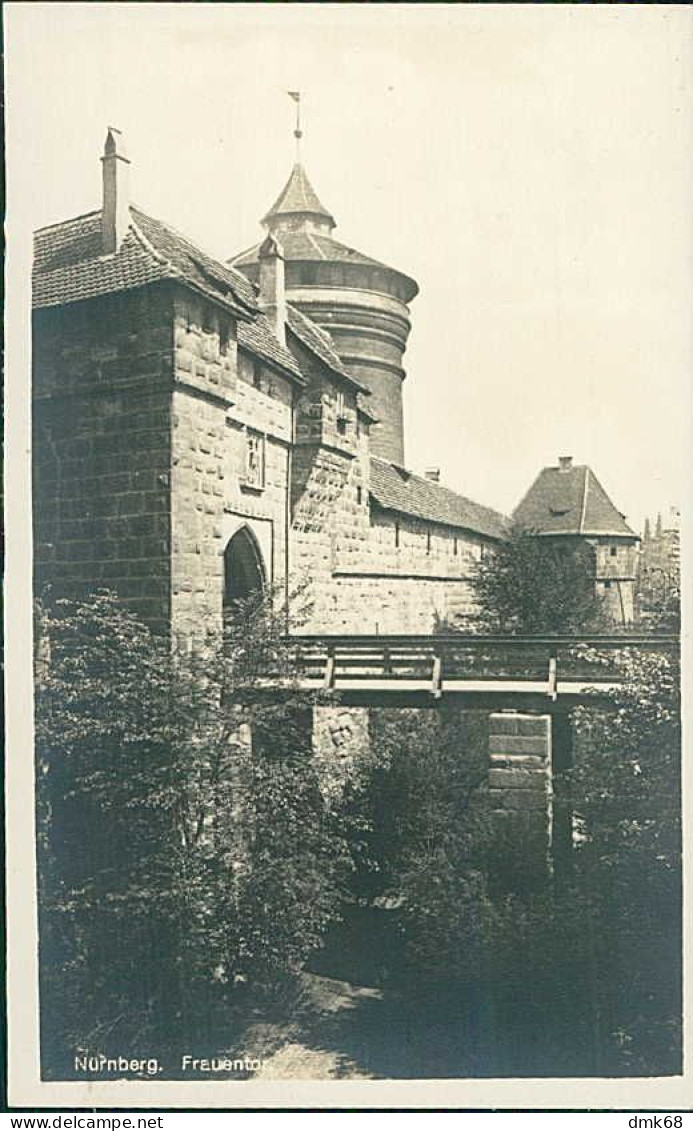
349,365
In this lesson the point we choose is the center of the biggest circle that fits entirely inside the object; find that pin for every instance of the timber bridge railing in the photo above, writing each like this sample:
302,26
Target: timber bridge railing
540,672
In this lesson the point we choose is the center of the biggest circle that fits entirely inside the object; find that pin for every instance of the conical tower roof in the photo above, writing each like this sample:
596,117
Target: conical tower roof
298,198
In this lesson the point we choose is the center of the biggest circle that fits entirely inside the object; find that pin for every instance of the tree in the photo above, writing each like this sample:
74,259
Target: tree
186,852
626,786
533,585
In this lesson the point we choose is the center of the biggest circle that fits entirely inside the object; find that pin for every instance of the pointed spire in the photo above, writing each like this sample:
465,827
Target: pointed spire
658,527
298,201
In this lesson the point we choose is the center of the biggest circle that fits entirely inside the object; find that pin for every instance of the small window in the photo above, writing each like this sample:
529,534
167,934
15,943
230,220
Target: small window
396,535
254,460
454,546
341,412
613,550
359,495
257,375
607,585
428,541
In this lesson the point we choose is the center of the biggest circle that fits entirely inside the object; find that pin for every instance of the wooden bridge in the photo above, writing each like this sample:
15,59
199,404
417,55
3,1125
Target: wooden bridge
545,673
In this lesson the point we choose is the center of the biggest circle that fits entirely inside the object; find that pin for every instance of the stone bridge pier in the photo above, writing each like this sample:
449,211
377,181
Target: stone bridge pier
532,817
532,834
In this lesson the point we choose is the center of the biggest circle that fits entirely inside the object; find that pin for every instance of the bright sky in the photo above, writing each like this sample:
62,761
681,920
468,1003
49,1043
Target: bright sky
531,166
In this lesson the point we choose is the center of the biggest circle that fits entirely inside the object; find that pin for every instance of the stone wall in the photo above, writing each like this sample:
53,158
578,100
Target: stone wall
221,394
615,566
521,793
399,574
144,409
102,376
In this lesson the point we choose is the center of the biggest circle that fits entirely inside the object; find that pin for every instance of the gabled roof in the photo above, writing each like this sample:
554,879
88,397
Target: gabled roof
395,489
320,344
69,266
298,197
569,500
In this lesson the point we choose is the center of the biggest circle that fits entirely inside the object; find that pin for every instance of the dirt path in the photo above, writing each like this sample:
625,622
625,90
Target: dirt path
313,1047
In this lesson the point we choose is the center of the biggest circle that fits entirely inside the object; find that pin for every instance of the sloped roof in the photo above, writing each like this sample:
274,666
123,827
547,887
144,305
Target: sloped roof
298,197
301,246
395,489
258,337
318,341
194,263
569,500
69,266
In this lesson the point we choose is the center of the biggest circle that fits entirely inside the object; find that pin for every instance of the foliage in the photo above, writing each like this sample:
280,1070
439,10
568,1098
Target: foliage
533,585
658,598
627,789
421,849
185,848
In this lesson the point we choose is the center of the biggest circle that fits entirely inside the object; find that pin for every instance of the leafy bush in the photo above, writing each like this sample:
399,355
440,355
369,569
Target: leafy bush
533,585
185,849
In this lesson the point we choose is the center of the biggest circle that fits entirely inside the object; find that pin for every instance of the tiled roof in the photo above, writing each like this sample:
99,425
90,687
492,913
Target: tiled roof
196,265
318,341
303,246
298,196
258,337
69,266
395,489
569,500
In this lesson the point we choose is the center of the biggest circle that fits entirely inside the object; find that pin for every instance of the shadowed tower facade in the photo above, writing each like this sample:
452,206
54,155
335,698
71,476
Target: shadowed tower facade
362,303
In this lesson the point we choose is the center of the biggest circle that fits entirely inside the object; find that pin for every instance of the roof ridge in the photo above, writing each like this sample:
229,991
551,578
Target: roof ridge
317,247
72,220
430,483
196,247
149,247
585,489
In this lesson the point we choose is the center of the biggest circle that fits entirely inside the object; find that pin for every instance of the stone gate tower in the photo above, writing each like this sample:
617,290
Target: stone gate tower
361,302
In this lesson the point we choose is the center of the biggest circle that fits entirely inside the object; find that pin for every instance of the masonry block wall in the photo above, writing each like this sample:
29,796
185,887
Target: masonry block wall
102,449
615,569
409,575
263,406
205,381
520,793
329,497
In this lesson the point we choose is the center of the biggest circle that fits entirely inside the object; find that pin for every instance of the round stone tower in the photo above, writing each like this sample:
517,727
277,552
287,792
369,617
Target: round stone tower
361,302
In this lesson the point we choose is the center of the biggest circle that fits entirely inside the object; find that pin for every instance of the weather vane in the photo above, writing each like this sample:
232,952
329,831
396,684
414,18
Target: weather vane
298,133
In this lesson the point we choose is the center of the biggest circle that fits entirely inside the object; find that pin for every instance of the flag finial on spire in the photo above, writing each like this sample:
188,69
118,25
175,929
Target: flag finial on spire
298,133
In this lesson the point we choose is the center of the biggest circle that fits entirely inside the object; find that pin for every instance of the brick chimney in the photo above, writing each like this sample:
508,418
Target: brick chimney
115,212
271,282
433,474
565,463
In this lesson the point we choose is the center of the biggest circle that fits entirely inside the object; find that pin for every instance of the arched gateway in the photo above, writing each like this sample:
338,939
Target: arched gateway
244,570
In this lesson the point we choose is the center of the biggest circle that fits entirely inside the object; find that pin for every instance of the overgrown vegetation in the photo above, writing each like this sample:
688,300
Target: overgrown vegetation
193,856
186,855
530,584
